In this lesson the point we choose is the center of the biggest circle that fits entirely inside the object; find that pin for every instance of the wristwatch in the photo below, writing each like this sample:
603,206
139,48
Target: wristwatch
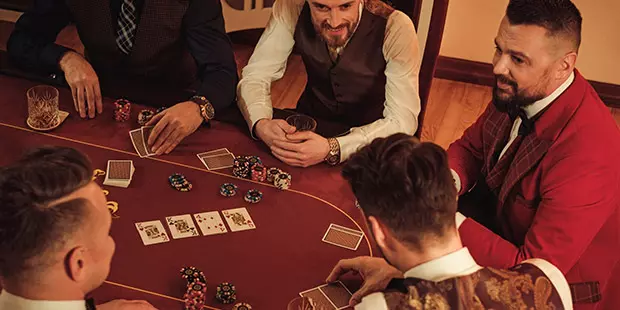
333,157
206,108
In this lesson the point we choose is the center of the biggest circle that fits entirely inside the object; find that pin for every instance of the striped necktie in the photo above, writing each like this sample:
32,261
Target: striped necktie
126,26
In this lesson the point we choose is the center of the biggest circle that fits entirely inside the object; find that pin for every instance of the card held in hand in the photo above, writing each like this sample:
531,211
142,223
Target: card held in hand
332,296
138,142
146,133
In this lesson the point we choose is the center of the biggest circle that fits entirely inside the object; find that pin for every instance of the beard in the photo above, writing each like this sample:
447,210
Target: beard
335,41
515,98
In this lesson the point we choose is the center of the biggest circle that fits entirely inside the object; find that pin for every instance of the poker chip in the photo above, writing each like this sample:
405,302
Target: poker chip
259,173
254,160
180,182
192,274
145,116
283,181
253,196
228,189
241,167
242,306
272,173
122,110
195,294
226,293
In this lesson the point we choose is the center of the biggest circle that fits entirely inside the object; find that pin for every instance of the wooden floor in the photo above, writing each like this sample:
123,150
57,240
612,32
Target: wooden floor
452,106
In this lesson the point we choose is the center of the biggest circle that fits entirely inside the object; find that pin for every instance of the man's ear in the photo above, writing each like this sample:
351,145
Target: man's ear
382,235
75,264
566,66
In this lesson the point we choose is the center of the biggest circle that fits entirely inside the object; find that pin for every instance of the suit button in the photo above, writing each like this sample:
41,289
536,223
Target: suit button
336,85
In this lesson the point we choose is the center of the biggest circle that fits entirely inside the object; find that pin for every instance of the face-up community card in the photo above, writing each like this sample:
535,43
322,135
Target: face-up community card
181,226
330,296
238,219
343,237
146,133
138,142
219,161
152,232
210,223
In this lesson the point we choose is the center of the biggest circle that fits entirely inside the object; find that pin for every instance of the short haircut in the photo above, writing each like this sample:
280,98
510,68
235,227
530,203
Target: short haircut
558,17
407,185
32,226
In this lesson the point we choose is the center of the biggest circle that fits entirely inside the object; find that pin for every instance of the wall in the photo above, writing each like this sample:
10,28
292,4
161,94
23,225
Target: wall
472,25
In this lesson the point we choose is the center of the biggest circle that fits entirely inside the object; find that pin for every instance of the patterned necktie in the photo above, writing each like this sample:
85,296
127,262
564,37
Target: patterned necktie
126,26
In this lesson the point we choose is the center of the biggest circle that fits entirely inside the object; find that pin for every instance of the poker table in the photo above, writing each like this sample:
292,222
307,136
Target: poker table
269,265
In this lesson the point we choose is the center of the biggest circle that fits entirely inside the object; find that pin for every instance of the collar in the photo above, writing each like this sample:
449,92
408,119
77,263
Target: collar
12,302
541,104
455,264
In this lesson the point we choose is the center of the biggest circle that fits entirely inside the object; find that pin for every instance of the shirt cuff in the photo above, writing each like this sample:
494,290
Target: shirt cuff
350,144
460,218
255,114
51,55
457,180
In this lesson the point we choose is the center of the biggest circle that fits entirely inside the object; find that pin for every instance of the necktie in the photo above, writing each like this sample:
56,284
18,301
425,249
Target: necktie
126,26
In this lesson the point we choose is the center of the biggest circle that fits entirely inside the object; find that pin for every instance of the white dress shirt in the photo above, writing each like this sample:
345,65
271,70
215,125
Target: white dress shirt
9,301
401,53
530,111
461,263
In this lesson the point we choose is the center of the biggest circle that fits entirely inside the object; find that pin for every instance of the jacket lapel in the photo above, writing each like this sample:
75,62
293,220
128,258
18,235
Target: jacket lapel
496,130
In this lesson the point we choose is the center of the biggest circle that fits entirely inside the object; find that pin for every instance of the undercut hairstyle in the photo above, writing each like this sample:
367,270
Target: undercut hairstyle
407,185
560,18
33,227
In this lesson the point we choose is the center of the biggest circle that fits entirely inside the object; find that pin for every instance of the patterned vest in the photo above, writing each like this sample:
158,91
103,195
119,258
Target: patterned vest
351,90
523,286
159,52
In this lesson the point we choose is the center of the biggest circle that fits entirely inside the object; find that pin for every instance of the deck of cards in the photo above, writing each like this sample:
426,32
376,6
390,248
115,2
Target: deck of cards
343,237
119,173
139,139
217,159
332,296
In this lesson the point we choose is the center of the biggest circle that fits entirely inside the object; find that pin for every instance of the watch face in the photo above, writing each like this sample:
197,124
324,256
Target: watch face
209,111
332,159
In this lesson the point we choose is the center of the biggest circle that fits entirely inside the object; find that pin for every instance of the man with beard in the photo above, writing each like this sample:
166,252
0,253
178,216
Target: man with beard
540,167
406,192
362,60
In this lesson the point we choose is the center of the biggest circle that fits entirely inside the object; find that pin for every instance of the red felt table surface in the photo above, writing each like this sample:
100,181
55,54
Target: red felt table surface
269,265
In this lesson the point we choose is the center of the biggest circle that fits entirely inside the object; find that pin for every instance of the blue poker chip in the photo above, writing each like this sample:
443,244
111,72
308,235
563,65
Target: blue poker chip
253,196
228,189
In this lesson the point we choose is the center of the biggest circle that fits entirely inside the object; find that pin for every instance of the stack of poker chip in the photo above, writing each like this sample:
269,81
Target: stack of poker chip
192,273
283,180
196,288
145,116
253,196
272,173
226,293
228,189
254,160
180,182
241,167
259,173
242,306
122,110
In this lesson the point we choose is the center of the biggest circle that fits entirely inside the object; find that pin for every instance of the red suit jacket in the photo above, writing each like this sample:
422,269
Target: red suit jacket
560,198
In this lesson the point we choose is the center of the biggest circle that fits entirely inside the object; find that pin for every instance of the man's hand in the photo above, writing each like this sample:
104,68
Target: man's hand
172,125
84,84
121,304
376,273
269,130
302,149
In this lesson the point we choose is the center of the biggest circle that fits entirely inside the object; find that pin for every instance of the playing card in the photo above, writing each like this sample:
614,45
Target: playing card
120,169
320,301
337,293
343,237
218,161
146,133
238,219
181,226
329,296
210,223
214,152
138,142
152,232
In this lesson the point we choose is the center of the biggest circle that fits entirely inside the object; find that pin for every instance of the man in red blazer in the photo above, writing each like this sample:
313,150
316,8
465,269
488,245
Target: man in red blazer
542,163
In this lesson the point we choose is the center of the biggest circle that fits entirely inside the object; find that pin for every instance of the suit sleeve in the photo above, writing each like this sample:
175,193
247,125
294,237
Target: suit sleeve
575,204
466,155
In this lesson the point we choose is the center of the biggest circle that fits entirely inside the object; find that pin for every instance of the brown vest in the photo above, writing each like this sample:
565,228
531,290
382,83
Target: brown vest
351,90
159,53
524,286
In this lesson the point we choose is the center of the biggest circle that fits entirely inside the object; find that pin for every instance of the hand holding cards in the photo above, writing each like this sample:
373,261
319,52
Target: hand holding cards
332,296
139,139
119,173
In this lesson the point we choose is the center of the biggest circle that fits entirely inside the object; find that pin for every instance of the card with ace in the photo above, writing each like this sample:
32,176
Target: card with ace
238,219
181,226
210,223
152,232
